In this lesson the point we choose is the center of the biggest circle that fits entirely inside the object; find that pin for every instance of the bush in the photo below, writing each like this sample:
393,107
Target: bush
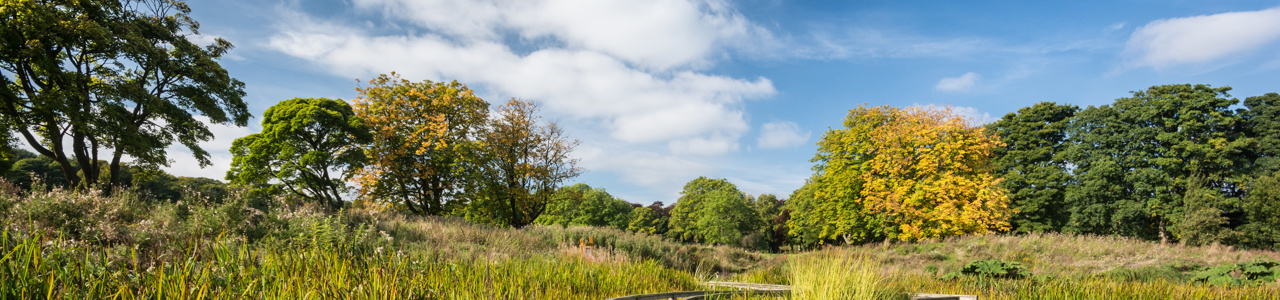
991,268
1248,273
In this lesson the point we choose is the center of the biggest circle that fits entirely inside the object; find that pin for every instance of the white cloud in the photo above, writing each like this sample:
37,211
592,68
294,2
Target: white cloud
591,78
642,167
181,160
1202,39
865,42
776,135
975,117
958,84
183,163
656,34
712,145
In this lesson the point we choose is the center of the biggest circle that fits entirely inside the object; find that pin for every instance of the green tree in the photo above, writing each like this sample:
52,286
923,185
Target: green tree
1263,120
308,147
26,171
580,204
120,77
9,156
1262,206
524,162
1134,159
681,225
1031,163
767,208
712,211
725,217
648,221
807,224
426,152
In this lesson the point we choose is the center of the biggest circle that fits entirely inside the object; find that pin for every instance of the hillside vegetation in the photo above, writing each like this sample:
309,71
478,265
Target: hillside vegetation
64,245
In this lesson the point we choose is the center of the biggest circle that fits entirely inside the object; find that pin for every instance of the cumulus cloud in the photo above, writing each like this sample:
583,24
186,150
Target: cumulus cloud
1202,39
776,135
958,84
638,78
973,115
864,42
641,167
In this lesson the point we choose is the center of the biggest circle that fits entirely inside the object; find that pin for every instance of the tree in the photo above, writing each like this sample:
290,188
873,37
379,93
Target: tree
648,221
9,157
524,161
904,174
308,147
1262,227
772,231
725,217
580,204
712,211
426,149
806,224
1031,163
111,75
1263,121
26,171
684,213
1134,160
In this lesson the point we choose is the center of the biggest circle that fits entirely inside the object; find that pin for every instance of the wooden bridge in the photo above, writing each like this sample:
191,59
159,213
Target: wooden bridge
758,290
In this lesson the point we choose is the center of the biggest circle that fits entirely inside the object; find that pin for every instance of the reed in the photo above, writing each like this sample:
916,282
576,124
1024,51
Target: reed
40,267
834,275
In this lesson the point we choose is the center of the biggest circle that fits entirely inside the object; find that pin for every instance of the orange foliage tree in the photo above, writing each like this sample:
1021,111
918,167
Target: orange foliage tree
424,151
907,174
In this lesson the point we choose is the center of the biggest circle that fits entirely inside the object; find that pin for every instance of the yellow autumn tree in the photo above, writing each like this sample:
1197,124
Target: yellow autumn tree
903,173
424,149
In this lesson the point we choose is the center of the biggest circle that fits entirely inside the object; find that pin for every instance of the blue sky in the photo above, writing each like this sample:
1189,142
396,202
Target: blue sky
660,92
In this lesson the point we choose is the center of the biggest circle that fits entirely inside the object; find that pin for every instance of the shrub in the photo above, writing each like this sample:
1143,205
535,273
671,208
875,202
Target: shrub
991,268
1248,273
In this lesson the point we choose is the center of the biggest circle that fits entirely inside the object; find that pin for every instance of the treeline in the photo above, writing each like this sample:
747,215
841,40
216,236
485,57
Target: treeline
28,171
1182,163
710,211
427,148
1173,163
87,84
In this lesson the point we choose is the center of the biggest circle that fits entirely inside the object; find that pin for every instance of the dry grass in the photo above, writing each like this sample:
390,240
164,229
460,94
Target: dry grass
1052,254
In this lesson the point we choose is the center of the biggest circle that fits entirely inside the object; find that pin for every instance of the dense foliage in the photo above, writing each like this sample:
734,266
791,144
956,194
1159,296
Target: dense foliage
86,83
712,211
1171,163
308,147
582,205
1035,172
902,174
425,151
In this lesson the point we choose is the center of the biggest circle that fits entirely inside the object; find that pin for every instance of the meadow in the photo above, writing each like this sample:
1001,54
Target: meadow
62,245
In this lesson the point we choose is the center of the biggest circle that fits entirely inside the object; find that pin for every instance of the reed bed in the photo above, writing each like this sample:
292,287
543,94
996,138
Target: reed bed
39,267
834,275
1074,288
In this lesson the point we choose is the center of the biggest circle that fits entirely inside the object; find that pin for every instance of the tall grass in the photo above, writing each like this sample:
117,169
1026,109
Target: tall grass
1073,288
39,267
832,275
83,245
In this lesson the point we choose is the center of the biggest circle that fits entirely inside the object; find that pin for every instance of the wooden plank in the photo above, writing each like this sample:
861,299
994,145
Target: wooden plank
749,286
699,295
943,297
